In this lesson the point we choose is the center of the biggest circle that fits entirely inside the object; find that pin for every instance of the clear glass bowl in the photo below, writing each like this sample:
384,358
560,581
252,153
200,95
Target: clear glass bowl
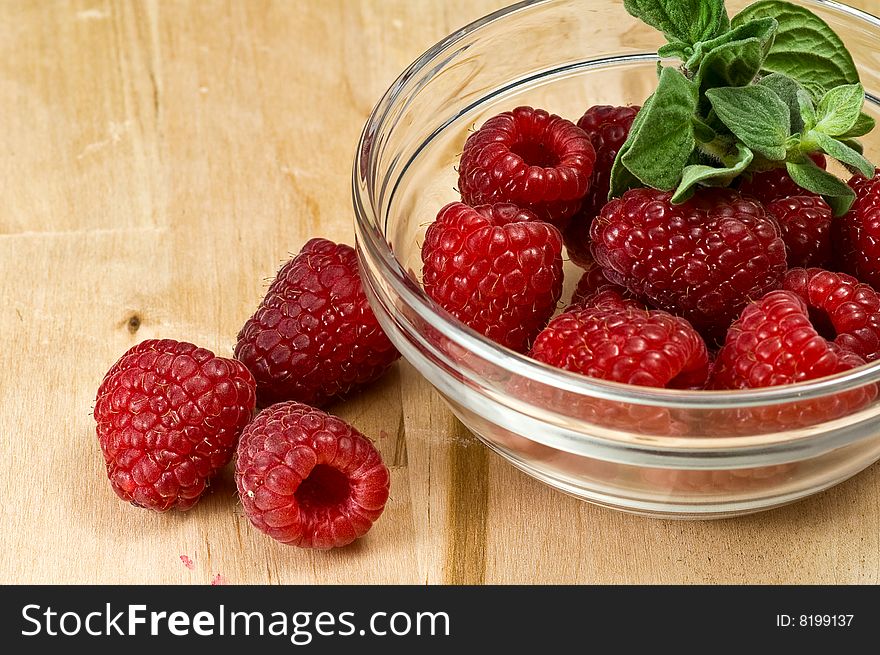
651,451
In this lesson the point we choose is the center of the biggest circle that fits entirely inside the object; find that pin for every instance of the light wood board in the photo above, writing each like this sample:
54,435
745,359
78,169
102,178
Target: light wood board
158,162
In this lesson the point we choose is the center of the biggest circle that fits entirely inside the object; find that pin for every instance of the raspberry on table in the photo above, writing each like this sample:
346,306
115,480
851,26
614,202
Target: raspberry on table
608,128
805,225
168,417
774,342
702,260
309,479
496,268
776,183
857,233
616,340
530,158
314,336
841,308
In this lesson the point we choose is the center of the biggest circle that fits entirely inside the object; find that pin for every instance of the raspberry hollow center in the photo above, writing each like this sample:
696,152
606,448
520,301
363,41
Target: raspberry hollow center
324,487
822,323
535,154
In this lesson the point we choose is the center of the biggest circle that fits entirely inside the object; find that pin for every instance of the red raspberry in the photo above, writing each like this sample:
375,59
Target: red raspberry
577,241
772,343
608,128
533,159
314,337
592,283
309,479
702,260
805,224
496,268
857,234
168,417
620,342
776,183
841,308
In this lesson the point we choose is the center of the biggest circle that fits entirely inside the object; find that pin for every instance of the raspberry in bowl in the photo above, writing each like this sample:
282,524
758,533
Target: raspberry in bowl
675,452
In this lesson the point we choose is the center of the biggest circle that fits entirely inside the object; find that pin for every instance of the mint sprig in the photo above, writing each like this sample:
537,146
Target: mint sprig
762,90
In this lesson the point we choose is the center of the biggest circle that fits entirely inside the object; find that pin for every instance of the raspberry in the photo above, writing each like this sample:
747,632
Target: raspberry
805,225
577,241
857,234
702,260
841,308
314,337
620,342
528,157
773,343
591,284
496,268
309,479
169,414
608,127
776,183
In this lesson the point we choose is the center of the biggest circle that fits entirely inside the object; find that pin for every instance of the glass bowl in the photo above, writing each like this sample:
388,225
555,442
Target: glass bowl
651,451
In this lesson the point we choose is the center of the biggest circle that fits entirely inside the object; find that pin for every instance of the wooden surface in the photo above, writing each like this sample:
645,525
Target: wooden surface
159,161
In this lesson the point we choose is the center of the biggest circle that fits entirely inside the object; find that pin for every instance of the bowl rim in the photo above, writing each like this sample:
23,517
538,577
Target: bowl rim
369,236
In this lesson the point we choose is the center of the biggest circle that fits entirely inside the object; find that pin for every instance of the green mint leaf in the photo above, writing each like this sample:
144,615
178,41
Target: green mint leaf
864,124
806,48
763,29
808,109
731,64
621,179
722,176
665,139
703,132
836,192
855,144
689,21
787,89
850,158
839,109
677,49
756,115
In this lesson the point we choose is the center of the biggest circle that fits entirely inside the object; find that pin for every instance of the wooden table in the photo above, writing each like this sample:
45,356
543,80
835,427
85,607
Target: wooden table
159,162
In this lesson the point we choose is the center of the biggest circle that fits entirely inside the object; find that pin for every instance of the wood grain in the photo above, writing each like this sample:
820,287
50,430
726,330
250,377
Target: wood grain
159,162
